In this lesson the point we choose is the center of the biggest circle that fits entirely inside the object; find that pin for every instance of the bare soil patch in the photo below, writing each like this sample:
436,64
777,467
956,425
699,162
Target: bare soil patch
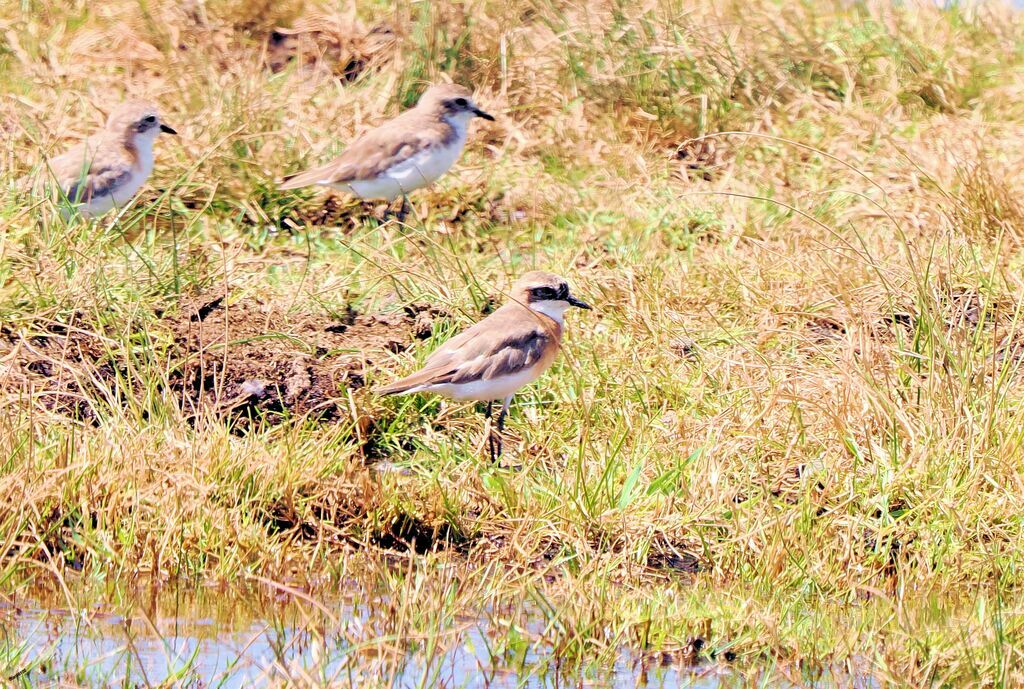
241,360
45,361
249,360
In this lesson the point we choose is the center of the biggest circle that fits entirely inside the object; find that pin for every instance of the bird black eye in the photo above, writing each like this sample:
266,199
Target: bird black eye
461,102
149,119
542,293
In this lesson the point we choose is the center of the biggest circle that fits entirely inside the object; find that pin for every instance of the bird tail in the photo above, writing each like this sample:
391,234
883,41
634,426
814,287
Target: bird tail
399,387
302,179
412,383
292,182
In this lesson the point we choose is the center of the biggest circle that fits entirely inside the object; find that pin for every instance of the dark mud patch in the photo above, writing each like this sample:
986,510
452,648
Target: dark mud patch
324,514
252,361
336,210
407,533
823,329
236,359
354,515
332,209
686,655
674,558
698,159
679,563
66,366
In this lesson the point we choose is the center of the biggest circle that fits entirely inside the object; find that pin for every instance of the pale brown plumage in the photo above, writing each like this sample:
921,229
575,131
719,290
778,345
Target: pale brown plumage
505,351
93,168
511,339
393,142
110,165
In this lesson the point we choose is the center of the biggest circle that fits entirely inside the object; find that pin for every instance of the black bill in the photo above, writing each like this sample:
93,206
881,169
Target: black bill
167,130
486,115
573,301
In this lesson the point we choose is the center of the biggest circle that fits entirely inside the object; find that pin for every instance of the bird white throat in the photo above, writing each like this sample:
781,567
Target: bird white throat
122,193
552,308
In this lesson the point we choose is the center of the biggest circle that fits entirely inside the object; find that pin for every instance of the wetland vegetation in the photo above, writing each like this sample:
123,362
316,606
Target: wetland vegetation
784,449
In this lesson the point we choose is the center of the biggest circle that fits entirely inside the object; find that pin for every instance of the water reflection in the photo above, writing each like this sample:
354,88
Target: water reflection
268,637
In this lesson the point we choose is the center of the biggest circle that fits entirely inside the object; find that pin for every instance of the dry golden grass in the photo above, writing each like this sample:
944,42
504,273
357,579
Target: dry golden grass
800,225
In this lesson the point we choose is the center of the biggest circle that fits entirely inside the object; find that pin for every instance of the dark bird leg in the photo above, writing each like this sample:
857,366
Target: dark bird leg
404,210
501,424
490,432
504,413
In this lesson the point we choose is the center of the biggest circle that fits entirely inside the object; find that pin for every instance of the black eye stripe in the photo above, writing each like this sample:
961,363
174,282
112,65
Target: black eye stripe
549,293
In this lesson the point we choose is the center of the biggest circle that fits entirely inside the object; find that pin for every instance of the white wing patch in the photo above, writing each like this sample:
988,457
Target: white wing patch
413,173
484,390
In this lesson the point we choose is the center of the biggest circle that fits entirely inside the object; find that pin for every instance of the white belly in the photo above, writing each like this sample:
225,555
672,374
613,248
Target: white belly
416,172
485,390
125,192
120,196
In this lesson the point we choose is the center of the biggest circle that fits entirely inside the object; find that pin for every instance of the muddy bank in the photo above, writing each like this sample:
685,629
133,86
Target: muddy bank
233,358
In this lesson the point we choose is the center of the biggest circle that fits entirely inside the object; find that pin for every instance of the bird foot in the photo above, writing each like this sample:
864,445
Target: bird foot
399,215
495,444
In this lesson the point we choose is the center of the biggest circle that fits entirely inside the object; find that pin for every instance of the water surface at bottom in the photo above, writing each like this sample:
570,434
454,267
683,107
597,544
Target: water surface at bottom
202,638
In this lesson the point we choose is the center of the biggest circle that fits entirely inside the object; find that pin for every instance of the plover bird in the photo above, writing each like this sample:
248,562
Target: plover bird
404,154
493,359
106,170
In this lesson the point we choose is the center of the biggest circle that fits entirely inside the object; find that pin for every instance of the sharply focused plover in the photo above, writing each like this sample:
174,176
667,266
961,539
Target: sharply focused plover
493,359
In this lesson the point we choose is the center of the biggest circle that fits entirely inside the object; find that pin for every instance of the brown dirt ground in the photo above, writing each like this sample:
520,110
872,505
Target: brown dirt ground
324,42
234,359
44,362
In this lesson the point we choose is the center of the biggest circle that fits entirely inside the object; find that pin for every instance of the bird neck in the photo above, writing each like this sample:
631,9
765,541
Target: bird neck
141,148
459,122
552,308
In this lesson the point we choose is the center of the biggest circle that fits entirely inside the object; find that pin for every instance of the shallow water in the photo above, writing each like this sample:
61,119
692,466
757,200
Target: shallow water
202,638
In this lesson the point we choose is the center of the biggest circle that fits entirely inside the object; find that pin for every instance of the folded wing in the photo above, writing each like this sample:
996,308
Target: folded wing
480,353
83,174
368,157
103,183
